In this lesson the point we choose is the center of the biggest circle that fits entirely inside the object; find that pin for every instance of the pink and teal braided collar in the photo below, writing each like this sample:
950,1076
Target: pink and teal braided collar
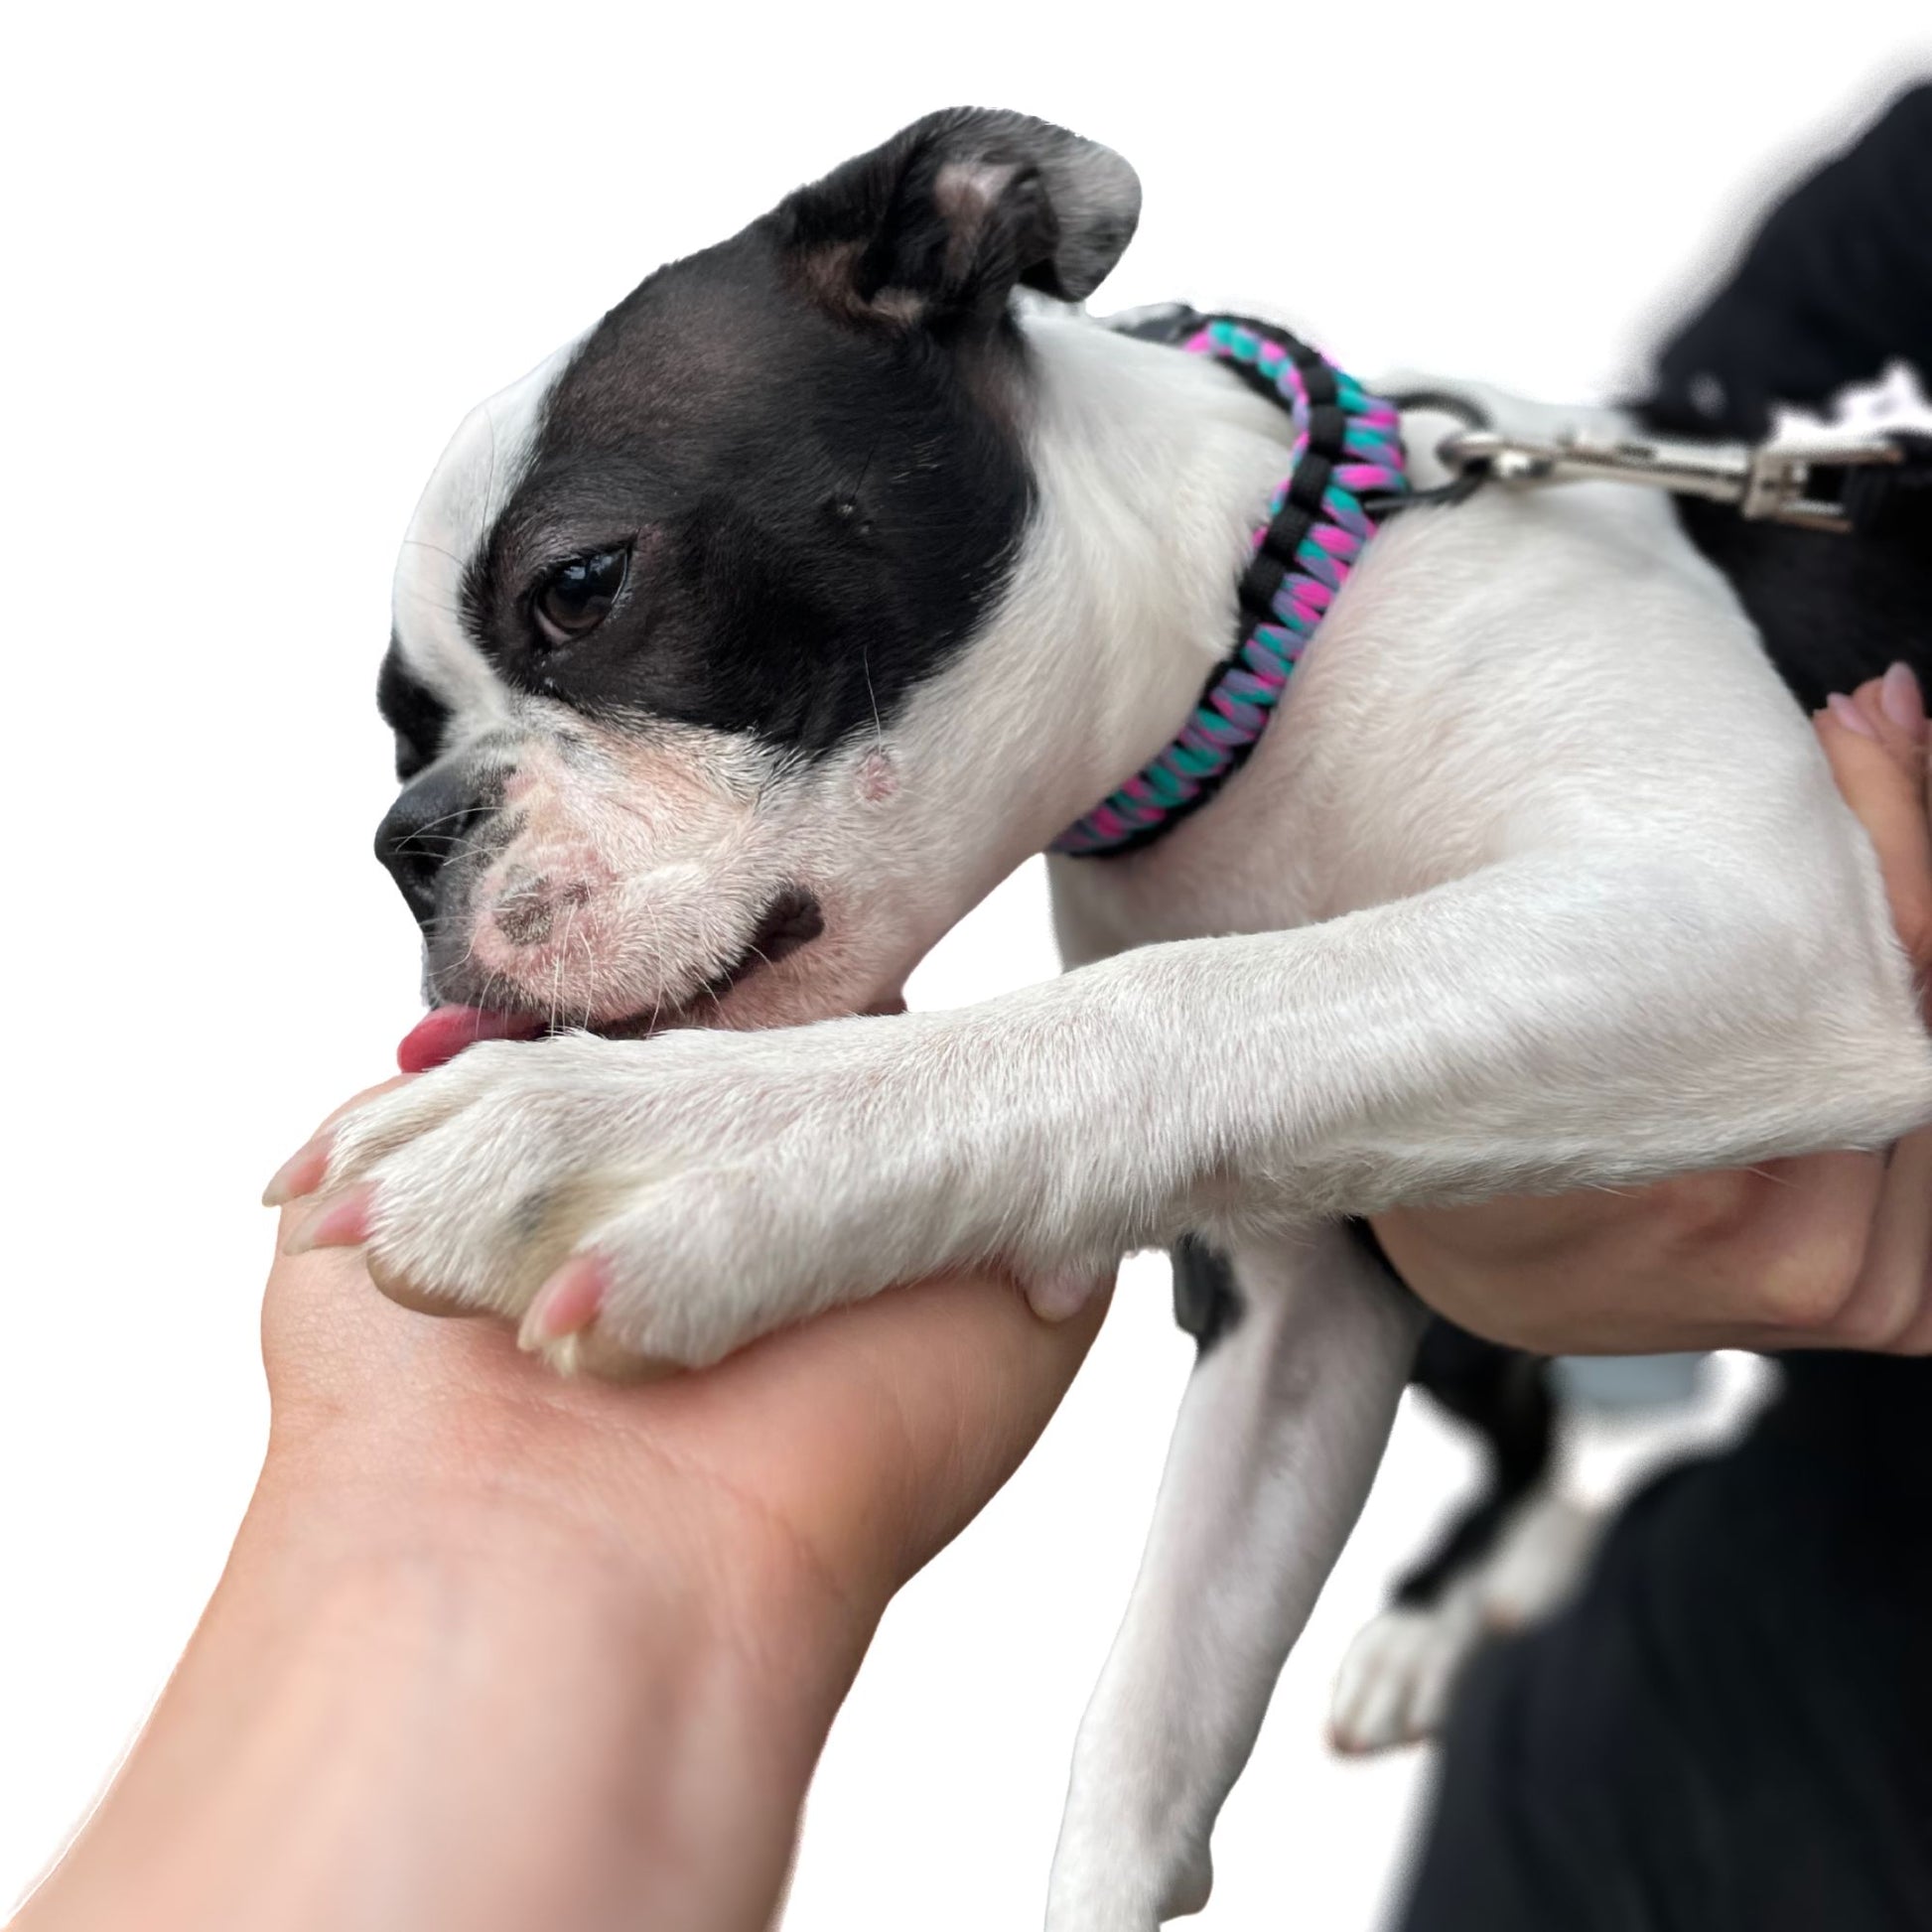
1345,459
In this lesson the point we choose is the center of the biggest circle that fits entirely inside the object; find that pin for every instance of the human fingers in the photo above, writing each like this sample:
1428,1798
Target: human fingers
1876,741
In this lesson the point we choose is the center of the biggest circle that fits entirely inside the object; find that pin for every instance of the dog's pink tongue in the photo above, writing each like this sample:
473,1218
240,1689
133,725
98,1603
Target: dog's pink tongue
444,1032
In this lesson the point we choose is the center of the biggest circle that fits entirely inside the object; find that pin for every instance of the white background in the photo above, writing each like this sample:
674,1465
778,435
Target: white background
262,259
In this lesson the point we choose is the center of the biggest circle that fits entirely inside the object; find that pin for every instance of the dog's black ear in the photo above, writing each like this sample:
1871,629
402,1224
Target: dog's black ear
942,223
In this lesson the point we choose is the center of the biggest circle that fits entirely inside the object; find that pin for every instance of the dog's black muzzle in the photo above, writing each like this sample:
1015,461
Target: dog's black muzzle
431,821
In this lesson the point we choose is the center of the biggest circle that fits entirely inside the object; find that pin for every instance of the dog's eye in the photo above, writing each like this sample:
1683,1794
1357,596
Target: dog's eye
577,596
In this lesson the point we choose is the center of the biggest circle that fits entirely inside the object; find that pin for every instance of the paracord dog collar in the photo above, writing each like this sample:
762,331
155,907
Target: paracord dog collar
1345,459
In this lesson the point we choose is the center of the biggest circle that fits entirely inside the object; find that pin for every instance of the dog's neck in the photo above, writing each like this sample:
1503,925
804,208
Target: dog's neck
1154,468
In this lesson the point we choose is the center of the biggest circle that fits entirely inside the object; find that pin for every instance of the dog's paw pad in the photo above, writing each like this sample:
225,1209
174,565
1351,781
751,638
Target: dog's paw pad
1059,1293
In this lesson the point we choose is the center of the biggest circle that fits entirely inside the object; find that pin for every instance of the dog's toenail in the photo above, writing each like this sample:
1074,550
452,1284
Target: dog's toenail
342,1222
301,1173
567,1303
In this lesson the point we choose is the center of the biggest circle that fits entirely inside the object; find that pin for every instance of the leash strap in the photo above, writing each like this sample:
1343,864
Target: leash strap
1346,469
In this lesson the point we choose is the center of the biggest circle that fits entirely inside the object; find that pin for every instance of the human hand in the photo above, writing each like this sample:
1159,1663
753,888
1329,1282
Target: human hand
847,1451
495,1650
1826,1251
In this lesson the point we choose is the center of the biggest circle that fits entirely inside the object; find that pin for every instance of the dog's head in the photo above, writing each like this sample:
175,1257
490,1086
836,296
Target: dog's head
682,677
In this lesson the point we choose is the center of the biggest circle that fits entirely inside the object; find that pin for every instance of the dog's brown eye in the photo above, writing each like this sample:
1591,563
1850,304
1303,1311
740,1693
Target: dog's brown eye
577,596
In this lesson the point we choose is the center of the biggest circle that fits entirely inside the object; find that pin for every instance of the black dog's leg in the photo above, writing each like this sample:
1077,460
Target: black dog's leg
1503,1558
1504,1395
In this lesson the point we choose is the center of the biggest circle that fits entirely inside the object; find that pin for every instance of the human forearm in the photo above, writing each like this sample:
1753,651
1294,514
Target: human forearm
442,1717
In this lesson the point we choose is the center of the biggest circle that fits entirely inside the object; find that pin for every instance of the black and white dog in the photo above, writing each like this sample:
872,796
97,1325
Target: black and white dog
751,639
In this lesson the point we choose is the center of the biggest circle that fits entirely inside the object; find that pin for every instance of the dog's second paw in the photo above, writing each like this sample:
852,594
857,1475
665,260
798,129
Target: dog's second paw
1397,1680
638,1203
1394,1685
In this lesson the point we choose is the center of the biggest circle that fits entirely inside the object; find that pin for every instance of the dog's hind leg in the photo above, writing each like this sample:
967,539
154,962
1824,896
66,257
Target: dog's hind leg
1504,1395
1395,1683
1279,1436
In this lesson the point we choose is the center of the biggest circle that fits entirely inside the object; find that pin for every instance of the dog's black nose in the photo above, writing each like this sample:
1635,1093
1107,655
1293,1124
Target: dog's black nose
427,824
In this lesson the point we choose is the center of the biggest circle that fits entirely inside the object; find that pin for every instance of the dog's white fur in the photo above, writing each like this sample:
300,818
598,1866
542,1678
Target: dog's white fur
1540,881
472,483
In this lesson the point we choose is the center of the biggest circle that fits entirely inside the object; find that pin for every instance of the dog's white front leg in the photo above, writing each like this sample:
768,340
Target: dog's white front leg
1278,1440
1564,1018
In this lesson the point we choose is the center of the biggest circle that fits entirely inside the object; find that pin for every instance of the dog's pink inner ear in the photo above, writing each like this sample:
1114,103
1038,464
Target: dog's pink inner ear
967,196
945,220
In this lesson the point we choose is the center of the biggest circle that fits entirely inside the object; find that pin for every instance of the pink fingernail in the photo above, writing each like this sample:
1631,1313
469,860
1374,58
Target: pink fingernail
567,1303
1901,698
301,1173
1849,714
340,1223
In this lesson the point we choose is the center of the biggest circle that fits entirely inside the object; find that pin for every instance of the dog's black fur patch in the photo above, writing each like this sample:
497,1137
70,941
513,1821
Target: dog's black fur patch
1834,288
806,436
1504,1395
1833,610
1206,1295
417,715
820,511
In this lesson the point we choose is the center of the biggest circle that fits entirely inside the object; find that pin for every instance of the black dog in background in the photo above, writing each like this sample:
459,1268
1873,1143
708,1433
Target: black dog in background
1730,1728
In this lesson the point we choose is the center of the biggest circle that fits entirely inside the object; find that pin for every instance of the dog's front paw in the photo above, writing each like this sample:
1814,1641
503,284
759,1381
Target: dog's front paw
639,1203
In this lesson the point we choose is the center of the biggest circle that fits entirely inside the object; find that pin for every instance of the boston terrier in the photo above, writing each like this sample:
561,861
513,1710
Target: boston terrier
747,641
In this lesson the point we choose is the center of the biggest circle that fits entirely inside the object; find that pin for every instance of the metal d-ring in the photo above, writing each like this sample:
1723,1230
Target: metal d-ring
1469,477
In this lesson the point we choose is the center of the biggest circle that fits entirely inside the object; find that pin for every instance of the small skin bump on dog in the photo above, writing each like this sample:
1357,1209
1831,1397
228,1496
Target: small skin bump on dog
878,776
